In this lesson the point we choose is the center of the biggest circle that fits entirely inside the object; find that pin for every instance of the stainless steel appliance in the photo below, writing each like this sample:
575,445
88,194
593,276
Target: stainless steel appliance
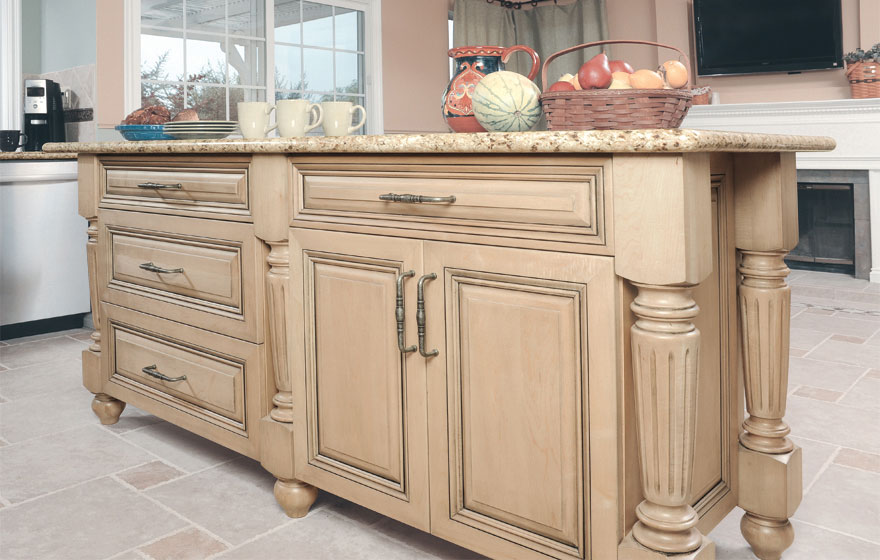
43,114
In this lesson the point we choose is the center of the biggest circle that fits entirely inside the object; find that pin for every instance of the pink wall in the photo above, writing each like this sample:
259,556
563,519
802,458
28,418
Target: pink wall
110,65
669,22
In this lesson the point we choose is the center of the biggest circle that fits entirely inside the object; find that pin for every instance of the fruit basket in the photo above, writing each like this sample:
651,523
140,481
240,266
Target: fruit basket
614,109
864,79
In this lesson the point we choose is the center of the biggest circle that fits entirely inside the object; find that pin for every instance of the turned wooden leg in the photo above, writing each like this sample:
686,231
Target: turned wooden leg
666,351
107,409
295,497
769,463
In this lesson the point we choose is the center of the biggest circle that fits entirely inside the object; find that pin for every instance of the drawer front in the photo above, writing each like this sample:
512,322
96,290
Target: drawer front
203,381
205,185
562,198
199,272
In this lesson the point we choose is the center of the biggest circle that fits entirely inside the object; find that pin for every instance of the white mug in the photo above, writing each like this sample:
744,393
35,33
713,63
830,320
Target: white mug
253,118
294,115
337,117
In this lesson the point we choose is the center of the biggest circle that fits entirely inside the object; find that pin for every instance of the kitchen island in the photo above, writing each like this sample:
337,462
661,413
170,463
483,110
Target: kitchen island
531,344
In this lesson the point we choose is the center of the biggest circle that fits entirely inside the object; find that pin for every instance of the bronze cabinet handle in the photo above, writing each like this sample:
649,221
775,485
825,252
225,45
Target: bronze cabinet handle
152,372
151,185
416,198
400,314
420,315
153,268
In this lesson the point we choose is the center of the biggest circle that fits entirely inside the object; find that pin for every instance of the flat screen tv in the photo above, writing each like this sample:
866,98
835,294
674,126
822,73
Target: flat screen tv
748,36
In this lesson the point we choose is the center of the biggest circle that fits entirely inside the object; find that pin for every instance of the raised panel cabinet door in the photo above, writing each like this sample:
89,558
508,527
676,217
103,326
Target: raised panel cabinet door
509,405
360,407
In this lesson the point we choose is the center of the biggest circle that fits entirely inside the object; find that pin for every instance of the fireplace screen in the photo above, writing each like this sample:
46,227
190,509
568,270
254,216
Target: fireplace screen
826,223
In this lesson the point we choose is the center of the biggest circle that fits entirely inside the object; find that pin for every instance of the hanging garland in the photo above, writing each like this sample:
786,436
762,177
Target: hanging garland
518,5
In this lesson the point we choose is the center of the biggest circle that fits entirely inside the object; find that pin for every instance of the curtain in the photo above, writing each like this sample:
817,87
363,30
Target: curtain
547,28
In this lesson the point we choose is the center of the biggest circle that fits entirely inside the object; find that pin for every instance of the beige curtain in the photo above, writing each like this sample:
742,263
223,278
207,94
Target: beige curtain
548,28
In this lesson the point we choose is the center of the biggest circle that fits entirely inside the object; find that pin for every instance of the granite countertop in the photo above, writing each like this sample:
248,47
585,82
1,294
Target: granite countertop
596,141
17,156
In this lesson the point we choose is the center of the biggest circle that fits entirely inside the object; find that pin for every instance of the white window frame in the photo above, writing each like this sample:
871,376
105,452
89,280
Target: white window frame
10,65
372,59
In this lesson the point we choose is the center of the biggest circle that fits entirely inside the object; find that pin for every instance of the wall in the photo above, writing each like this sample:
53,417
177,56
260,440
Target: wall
57,34
669,22
31,25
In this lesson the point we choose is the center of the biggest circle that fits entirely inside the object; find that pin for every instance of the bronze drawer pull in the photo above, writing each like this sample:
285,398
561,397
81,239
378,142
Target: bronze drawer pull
152,185
400,314
153,268
420,315
416,198
151,371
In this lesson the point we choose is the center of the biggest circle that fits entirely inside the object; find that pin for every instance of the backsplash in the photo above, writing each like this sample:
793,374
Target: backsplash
80,80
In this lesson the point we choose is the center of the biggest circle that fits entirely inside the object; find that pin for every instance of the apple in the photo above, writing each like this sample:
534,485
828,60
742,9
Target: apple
620,66
561,86
595,73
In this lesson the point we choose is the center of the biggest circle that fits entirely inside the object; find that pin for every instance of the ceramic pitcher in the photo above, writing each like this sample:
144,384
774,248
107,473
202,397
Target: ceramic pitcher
471,64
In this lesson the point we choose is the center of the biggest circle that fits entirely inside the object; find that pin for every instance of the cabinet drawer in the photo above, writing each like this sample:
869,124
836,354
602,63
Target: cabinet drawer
206,376
190,270
206,185
489,197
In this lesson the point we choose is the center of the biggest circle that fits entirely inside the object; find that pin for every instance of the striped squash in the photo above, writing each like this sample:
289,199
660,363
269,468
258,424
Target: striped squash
507,102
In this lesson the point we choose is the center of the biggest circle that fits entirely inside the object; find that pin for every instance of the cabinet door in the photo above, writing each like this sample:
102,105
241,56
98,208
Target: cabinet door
360,403
509,406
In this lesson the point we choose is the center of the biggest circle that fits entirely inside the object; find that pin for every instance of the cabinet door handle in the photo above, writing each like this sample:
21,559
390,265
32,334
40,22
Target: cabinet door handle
152,185
400,314
153,268
416,198
420,315
152,372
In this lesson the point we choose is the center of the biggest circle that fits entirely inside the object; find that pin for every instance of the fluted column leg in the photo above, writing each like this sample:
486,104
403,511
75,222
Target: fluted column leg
666,354
769,463
294,496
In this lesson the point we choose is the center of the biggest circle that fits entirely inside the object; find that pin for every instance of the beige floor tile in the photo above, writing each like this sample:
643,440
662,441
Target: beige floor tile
833,423
818,394
149,475
845,500
90,521
806,339
41,351
858,459
3,368
818,311
425,543
38,466
863,355
834,325
848,338
874,340
810,543
132,419
233,501
40,379
873,374
180,448
45,336
797,352
871,317
85,335
825,375
38,416
815,454
833,279
129,555
865,394
190,544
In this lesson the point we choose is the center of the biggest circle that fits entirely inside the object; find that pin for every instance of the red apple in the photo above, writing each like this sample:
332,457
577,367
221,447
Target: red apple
595,73
620,66
561,86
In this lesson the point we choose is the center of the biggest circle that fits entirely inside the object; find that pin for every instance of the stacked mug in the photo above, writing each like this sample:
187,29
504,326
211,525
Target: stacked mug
297,117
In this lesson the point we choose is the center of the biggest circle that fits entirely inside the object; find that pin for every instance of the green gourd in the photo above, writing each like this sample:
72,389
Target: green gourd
507,102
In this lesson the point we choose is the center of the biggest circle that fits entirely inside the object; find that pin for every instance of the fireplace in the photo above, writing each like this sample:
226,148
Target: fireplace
834,222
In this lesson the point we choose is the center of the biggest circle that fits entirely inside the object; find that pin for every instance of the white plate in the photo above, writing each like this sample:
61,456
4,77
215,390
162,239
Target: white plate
183,123
197,135
187,129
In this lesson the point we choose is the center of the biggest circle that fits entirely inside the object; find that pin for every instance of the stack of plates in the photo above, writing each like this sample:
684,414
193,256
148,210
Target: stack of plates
200,130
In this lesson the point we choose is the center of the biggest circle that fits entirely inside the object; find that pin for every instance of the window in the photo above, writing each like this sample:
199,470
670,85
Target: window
211,54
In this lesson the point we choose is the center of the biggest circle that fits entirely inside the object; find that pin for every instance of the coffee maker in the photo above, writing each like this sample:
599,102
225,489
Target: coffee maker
43,114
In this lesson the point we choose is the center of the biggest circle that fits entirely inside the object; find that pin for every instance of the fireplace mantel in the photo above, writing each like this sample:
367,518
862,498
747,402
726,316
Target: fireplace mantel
853,123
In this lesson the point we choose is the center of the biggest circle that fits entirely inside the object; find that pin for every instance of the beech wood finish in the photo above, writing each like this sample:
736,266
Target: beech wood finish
584,400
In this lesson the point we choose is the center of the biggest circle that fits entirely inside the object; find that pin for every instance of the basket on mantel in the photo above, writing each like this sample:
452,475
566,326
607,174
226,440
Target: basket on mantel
864,79
614,109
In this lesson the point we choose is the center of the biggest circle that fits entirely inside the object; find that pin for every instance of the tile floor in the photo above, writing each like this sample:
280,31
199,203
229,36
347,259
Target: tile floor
72,489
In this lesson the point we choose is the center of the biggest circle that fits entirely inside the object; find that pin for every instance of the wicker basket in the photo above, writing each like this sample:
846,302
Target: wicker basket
609,109
864,79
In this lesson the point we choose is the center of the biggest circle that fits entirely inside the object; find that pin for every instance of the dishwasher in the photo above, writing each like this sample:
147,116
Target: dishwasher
44,284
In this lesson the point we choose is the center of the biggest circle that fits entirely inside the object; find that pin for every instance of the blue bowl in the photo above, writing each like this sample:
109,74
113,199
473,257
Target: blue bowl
142,132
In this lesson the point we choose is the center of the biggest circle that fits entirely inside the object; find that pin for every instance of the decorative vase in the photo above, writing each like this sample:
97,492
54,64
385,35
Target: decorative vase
471,65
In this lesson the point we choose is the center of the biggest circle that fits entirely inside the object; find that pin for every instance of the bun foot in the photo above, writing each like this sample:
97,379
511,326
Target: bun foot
107,409
295,497
767,537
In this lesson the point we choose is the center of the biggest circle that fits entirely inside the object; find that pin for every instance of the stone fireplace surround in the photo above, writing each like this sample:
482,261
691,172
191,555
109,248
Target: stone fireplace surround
853,123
